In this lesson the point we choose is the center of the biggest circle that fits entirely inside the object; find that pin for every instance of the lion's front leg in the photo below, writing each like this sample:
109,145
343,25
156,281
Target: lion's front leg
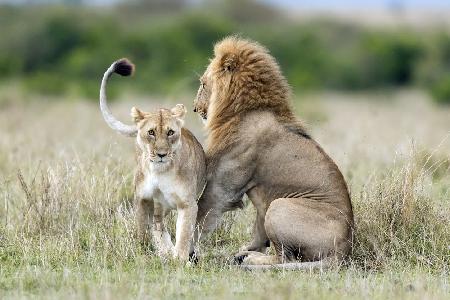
187,214
227,180
260,241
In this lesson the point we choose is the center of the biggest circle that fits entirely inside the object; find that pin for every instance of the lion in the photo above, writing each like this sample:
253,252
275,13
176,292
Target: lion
256,146
171,169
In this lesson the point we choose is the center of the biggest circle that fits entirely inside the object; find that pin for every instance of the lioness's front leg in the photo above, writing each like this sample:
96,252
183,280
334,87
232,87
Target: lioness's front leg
161,237
187,214
144,216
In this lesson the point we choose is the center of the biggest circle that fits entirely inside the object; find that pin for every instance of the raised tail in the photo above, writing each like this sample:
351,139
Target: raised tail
125,68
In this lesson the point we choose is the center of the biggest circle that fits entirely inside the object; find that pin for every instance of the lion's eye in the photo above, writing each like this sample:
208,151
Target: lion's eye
170,132
203,85
151,132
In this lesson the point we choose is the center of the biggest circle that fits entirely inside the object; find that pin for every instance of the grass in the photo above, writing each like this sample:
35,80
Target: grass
67,220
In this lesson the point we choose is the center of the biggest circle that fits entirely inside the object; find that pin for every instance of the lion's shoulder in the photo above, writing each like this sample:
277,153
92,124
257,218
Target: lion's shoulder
265,123
193,158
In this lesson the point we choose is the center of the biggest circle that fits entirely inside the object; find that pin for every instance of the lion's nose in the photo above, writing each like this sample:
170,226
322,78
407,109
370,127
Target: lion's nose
161,155
195,109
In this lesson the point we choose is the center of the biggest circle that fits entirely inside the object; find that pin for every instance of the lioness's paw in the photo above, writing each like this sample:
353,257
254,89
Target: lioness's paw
180,255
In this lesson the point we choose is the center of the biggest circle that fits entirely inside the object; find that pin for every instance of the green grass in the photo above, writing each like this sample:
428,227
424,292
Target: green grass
67,225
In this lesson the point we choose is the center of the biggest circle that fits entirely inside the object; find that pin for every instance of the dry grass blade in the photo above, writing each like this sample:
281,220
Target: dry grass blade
67,225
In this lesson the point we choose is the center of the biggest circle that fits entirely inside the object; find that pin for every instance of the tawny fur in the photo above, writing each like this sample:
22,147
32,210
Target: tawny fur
170,175
170,170
257,146
252,80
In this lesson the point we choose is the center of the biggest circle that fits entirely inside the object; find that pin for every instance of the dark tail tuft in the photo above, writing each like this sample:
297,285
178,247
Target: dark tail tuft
124,67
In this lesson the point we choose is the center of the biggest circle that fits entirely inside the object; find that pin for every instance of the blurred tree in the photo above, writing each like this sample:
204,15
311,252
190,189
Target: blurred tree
245,11
172,47
73,2
45,46
390,59
155,6
434,70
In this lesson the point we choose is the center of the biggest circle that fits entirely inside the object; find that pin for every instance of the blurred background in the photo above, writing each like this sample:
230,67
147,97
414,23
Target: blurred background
61,48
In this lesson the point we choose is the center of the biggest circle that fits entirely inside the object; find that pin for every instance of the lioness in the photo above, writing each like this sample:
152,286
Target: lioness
170,172
256,146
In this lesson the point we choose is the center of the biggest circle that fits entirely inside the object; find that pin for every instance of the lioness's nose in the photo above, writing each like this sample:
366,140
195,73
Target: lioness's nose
161,155
195,109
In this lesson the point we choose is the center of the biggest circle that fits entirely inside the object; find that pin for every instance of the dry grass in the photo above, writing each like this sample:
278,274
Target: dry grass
67,220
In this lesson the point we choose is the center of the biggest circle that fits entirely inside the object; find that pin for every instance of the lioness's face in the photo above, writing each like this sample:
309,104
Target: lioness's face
159,133
201,102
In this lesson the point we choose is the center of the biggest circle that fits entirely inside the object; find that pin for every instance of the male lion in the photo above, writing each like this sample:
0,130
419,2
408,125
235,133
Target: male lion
170,172
256,146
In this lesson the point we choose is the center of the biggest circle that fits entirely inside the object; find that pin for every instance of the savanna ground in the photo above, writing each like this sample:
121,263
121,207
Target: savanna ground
67,220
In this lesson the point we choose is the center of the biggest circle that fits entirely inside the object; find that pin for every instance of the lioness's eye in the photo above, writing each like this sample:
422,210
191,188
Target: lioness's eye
151,132
170,132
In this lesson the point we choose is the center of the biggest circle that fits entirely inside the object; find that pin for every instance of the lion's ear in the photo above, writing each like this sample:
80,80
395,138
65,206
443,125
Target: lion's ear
137,115
229,62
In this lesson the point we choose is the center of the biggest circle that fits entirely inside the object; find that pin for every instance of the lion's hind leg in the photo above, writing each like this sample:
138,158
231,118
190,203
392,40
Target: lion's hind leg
257,261
305,230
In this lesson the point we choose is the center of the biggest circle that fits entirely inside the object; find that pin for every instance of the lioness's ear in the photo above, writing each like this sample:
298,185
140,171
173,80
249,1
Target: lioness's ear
179,111
137,115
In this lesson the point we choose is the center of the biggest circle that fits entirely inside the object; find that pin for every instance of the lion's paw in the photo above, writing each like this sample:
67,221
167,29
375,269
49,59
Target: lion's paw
242,256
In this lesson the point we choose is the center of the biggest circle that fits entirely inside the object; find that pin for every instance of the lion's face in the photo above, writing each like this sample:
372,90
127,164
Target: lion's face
159,133
201,102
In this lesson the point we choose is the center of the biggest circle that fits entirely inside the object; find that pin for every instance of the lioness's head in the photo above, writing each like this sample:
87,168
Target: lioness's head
159,133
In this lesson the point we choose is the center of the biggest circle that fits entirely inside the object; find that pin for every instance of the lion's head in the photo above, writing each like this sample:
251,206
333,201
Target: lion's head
201,102
159,133
241,77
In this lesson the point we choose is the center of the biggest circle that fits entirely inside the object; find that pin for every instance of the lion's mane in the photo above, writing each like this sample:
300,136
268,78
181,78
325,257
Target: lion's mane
245,78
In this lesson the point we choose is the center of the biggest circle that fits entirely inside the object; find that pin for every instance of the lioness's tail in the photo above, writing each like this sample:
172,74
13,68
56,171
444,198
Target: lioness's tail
125,68
311,266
